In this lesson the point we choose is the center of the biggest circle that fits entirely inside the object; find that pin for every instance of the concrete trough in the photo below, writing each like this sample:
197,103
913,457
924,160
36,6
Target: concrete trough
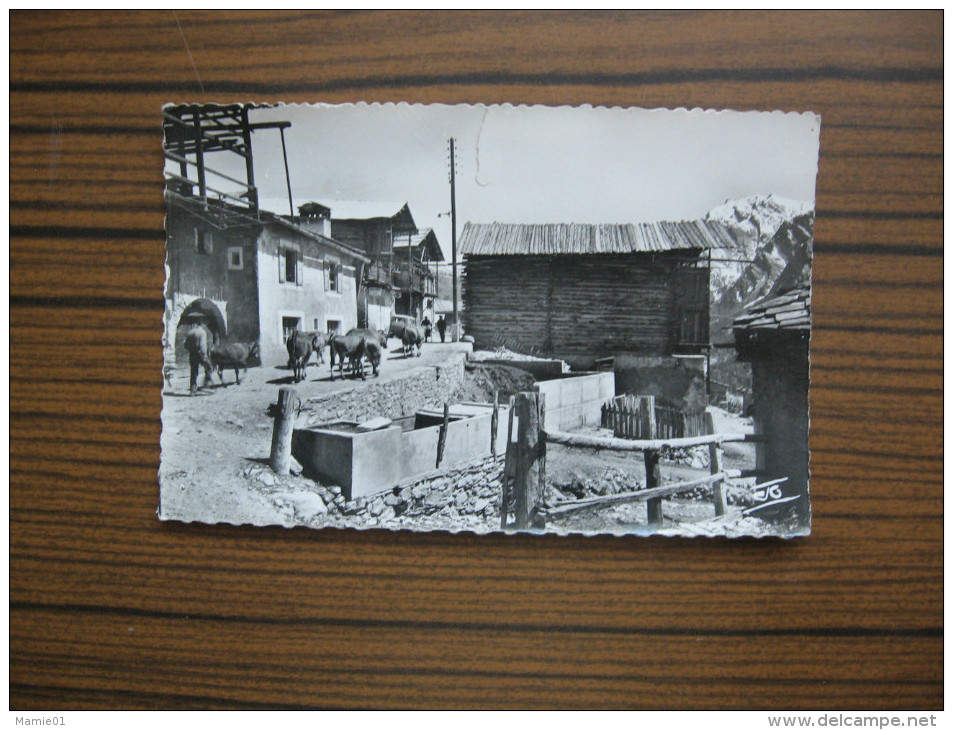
575,399
364,463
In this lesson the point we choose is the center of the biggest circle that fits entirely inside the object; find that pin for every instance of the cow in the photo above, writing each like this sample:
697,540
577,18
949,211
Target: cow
413,335
350,346
375,343
373,350
318,340
234,355
300,347
379,335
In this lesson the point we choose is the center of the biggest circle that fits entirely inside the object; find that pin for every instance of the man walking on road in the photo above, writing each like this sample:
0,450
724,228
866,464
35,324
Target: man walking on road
442,327
197,343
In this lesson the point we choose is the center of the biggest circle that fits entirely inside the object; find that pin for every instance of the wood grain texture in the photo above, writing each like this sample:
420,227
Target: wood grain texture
111,609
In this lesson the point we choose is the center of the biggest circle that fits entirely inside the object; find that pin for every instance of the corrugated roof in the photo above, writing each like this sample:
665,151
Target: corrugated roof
520,239
788,311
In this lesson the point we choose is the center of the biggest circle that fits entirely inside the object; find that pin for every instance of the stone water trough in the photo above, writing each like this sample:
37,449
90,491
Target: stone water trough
367,462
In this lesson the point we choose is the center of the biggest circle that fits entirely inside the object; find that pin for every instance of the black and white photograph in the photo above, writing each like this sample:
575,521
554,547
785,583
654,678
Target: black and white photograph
488,318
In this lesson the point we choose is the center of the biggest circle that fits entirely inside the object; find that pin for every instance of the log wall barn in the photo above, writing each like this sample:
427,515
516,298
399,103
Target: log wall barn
578,291
574,307
111,609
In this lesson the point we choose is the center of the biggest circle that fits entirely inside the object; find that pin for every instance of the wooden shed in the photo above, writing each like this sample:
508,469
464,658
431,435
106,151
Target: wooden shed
582,292
774,336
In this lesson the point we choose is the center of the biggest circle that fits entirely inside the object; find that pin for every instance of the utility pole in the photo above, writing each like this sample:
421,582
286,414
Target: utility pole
411,309
453,237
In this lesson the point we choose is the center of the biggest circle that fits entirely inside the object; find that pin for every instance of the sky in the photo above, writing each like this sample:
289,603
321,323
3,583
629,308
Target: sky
532,164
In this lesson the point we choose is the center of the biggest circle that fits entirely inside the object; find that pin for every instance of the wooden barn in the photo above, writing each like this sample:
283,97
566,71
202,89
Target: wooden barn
582,292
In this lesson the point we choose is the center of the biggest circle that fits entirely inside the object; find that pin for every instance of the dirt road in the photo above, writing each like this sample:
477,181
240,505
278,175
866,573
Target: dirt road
214,443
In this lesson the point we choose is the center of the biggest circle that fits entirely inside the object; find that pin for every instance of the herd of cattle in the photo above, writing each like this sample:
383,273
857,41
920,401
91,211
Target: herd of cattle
350,349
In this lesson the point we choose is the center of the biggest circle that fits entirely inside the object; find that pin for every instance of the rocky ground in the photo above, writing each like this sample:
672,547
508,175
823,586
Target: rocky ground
464,498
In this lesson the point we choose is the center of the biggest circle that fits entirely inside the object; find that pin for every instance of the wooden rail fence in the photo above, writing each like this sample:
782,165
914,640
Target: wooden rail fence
525,470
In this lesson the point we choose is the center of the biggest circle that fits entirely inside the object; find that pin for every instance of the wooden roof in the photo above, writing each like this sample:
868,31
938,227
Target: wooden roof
425,246
365,210
518,239
788,311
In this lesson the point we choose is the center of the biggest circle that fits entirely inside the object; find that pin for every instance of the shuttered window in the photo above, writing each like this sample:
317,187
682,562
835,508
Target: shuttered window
691,290
290,267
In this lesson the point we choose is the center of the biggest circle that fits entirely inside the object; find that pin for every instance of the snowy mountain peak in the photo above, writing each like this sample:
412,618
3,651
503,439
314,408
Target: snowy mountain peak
759,216
773,244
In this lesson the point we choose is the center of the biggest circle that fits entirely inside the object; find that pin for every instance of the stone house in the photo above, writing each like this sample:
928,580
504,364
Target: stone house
374,228
254,275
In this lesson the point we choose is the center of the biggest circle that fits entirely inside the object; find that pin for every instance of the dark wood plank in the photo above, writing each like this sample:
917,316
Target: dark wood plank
111,609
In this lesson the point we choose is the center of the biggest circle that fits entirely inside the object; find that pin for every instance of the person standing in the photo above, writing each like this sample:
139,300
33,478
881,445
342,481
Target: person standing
197,343
428,328
442,328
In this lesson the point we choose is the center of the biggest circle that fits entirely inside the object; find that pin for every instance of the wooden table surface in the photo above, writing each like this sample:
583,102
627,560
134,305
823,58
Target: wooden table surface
111,609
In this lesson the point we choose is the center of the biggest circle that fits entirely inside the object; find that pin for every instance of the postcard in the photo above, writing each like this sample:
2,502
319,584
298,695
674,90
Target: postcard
488,318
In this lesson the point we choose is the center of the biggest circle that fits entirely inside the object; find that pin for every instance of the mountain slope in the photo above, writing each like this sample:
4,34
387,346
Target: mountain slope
772,252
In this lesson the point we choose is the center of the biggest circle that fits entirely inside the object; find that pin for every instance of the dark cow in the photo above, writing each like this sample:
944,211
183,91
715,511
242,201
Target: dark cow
300,347
379,335
413,336
318,340
375,343
351,346
234,355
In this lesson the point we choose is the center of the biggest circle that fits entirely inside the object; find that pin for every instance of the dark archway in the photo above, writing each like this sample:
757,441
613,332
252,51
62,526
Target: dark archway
204,311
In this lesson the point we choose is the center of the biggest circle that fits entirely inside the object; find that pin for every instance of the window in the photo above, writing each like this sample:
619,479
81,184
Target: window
288,326
333,326
203,242
235,258
691,292
289,266
332,276
315,328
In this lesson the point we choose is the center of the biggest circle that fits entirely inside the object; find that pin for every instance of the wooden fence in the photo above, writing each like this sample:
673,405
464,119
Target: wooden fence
642,417
525,470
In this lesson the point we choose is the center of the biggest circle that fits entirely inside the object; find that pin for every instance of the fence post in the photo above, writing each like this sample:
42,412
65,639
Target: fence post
714,458
494,422
530,477
280,460
647,417
509,468
653,478
442,438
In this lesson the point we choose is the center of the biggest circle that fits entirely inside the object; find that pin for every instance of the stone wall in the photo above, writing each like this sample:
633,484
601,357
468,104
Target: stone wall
679,380
420,388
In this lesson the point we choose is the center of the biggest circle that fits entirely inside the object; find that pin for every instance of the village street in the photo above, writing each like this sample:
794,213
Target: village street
216,446
210,440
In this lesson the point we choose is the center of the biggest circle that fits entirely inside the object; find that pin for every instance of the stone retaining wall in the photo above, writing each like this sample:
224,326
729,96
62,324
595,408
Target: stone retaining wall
421,388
